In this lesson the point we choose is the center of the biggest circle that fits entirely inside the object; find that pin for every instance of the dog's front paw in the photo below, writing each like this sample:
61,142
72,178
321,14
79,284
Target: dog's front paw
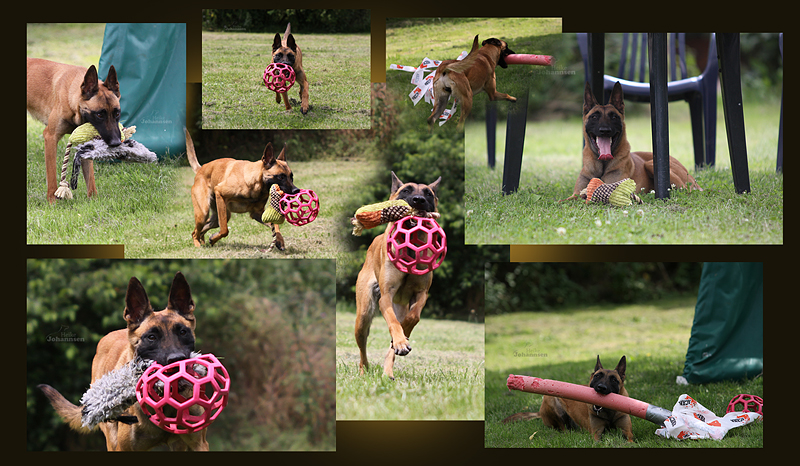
401,348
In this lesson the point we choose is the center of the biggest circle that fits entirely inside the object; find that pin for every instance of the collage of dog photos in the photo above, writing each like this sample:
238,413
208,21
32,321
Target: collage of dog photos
339,232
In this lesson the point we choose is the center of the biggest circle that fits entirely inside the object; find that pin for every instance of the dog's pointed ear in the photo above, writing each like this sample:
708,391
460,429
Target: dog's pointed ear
396,183
137,304
589,102
268,159
89,87
282,155
180,297
291,43
621,367
276,43
435,185
617,98
598,366
111,82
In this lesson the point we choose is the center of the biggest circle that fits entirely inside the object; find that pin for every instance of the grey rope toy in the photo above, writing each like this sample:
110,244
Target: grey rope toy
89,145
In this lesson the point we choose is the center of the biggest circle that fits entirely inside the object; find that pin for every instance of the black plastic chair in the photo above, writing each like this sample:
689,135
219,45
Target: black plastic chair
699,91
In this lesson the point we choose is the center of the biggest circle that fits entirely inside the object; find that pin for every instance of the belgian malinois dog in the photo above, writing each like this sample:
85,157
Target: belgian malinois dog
400,296
563,414
287,51
64,97
607,154
164,336
465,78
223,186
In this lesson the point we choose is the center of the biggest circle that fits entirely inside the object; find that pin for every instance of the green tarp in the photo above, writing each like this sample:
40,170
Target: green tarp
727,341
150,60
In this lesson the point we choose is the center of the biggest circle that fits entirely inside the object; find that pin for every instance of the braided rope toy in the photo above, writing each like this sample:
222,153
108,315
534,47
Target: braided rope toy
619,194
372,215
89,145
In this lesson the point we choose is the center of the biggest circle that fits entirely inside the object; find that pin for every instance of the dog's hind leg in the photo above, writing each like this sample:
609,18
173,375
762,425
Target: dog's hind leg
367,296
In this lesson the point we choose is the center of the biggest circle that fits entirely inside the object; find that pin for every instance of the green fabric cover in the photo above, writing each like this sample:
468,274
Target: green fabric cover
150,59
727,341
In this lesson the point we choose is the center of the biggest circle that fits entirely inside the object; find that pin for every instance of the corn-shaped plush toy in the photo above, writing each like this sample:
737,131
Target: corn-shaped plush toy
272,213
618,194
372,215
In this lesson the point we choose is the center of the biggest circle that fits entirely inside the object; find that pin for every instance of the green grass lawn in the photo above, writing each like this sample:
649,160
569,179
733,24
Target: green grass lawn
234,96
442,378
563,346
551,162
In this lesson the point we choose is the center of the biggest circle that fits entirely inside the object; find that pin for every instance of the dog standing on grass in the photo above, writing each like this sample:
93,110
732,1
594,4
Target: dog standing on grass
165,337
564,414
64,97
465,78
223,186
399,296
288,52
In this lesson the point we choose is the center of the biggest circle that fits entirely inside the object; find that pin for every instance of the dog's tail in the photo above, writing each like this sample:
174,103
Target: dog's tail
190,151
288,30
521,417
68,411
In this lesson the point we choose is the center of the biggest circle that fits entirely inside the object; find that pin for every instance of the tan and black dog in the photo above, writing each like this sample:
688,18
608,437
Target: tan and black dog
287,51
164,336
563,414
607,154
225,186
64,97
399,296
465,78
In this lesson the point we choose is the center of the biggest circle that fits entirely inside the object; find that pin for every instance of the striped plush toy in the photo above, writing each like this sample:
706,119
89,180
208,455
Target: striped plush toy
618,194
272,211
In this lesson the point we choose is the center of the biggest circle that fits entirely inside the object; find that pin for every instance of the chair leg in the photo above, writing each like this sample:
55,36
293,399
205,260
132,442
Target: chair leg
698,139
730,74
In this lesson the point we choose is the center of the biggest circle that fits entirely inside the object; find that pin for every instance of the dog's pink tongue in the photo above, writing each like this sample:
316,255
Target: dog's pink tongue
604,145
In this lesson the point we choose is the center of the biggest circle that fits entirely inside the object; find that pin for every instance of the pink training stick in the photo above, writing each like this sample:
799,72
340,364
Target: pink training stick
528,59
588,395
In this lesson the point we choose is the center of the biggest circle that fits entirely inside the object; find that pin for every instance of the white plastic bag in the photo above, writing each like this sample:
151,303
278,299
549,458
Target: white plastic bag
690,420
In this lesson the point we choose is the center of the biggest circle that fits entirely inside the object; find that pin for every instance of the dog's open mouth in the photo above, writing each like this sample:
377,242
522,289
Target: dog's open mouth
602,146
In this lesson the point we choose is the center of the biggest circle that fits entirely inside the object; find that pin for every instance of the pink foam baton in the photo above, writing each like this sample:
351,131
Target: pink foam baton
586,394
528,59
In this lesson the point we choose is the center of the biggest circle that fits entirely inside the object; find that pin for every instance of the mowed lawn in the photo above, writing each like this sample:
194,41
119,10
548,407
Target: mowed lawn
441,378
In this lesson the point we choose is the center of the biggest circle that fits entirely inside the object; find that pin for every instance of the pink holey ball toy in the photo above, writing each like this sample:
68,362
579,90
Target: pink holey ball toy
192,392
279,77
751,404
300,208
416,245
